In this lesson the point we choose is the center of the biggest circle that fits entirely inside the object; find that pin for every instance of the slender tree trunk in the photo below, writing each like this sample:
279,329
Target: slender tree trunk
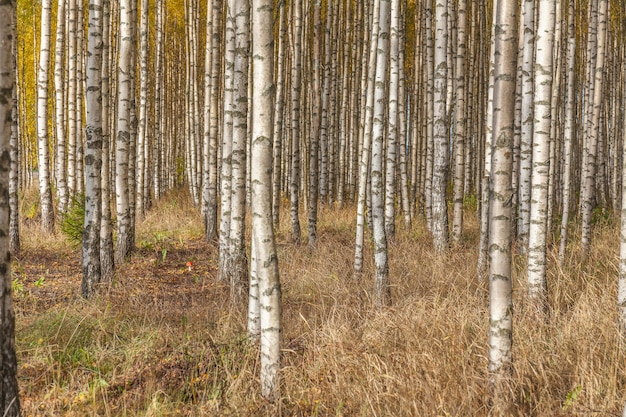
262,231
382,287
296,130
279,114
14,155
500,294
315,123
106,228
441,147
365,165
124,134
237,260
142,132
588,189
568,129
60,109
526,138
93,153
460,115
9,399
393,121
537,286
43,160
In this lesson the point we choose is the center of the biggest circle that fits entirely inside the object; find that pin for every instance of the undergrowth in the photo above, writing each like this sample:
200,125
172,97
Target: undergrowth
164,340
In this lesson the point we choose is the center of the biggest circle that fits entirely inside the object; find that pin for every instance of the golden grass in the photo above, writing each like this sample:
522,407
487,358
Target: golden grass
164,342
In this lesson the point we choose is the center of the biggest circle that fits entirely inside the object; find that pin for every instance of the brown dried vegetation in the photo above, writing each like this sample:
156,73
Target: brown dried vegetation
164,340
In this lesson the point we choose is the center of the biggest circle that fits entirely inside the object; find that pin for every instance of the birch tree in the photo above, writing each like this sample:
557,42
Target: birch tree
537,287
501,195
526,130
9,392
106,228
93,153
296,79
14,155
589,169
266,259
382,286
60,108
142,129
459,124
122,150
43,160
440,132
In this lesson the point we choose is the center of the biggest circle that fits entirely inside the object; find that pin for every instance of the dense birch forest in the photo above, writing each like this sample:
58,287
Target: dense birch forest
340,181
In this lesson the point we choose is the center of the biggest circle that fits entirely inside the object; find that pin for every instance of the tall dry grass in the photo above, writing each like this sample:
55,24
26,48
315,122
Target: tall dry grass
172,345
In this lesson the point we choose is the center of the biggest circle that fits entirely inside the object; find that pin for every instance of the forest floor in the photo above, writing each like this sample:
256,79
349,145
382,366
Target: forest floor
163,339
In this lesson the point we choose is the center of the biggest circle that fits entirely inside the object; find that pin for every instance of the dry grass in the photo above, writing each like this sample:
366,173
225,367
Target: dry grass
164,341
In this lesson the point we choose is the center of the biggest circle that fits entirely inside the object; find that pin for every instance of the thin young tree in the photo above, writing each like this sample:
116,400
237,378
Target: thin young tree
296,130
537,233
93,153
14,175
43,160
459,124
9,392
501,195
589,169
237,259
122,150
142,129
106,228
266,259
441,148
382,286
60,109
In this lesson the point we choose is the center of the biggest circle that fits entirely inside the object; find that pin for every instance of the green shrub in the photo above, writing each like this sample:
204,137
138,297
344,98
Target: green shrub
73,220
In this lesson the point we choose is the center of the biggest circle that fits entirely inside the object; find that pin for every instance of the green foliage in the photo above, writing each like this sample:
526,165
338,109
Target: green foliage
572,396
73,221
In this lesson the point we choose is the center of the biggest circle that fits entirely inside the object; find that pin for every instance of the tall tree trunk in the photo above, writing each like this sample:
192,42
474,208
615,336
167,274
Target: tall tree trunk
315,123
501,195
382,287
393,121
9,399
526,131
142,132
93,153
43,160
441,149
59,108
106,228
588,189
569,131
262,231
460,116
279,116
365,165
296,130
14,155
537,233
237,260
124,134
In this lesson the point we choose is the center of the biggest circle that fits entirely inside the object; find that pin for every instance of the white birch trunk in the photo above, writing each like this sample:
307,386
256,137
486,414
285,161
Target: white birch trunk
501,195
382,291
261,182
537,233
43,160
9,392
93,153
60,109
122,150
441,150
